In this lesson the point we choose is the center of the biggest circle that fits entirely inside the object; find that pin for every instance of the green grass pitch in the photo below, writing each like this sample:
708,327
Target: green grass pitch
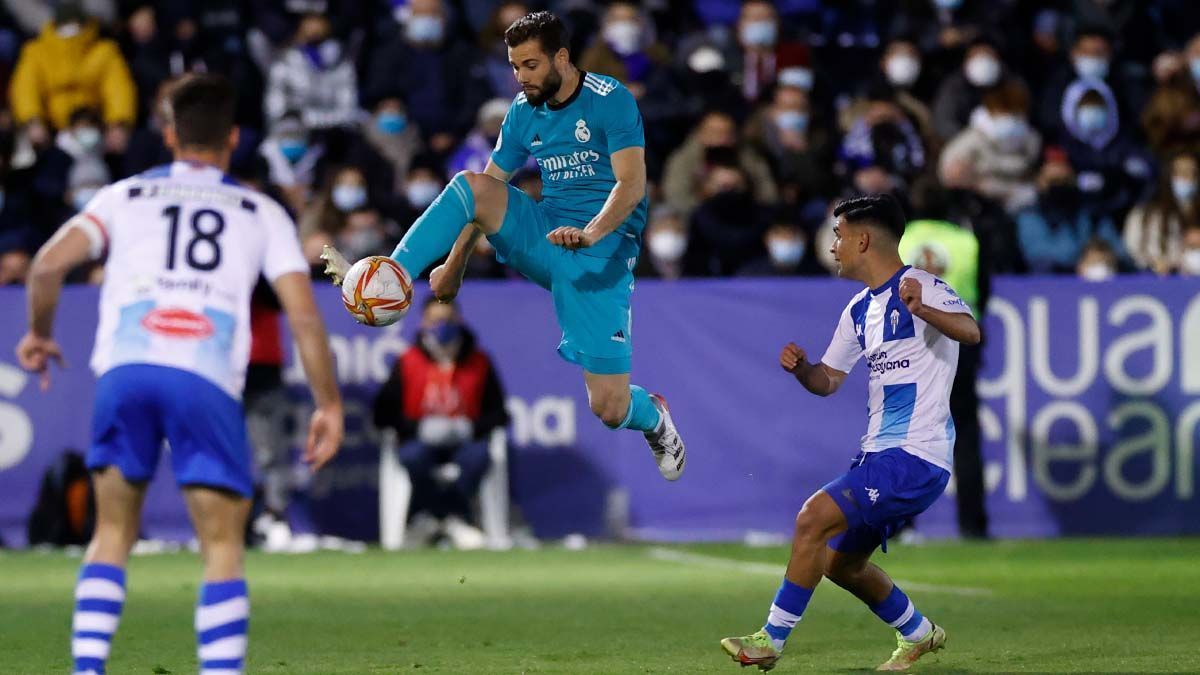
1054,606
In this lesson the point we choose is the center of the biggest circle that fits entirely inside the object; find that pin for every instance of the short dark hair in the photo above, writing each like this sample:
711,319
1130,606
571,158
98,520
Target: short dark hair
881,210
544,27
202,107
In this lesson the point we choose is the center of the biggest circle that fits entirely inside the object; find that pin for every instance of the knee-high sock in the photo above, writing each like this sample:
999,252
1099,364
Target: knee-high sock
900,613
643,415
99,599
433,234
790,603
222,620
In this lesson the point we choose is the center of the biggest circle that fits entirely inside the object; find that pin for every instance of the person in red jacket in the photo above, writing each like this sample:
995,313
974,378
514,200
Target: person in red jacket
444,399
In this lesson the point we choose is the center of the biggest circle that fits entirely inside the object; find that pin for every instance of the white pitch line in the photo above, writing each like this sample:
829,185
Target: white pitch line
746,567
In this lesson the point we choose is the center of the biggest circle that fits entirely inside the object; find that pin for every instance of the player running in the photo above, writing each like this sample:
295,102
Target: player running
580,242
185,246
907,323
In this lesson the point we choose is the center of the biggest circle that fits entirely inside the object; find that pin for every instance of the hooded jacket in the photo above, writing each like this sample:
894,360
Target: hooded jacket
56,75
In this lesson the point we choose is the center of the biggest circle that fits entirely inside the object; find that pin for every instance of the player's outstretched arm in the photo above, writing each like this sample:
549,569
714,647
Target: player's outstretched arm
958,326
629,168
326,428
817,378
67,249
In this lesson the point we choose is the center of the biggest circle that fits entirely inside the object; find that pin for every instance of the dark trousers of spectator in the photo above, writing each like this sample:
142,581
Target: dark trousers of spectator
968,449
431,494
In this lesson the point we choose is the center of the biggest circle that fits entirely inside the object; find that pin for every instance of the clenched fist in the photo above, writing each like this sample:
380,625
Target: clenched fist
910,294
792,357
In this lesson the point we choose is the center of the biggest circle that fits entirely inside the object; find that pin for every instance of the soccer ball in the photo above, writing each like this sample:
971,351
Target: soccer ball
377,291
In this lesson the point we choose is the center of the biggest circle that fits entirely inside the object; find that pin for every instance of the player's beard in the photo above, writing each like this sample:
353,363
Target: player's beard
548,88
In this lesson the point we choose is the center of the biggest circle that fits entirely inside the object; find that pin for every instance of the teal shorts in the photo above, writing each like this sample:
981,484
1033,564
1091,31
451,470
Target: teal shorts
591,291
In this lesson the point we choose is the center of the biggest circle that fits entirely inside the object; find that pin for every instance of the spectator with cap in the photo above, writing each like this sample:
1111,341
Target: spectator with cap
1055,230
687,167
476,148
440,80
962,91
1154,229
70,66
1113,170
315,78
625,48
999,150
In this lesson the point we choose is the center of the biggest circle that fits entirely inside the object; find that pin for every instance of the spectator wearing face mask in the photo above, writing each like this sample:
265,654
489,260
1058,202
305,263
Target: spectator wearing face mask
1154,229
1091,58
69,66
294,158
901,71
882,151
440,80
1054,231
387,142
788,253
962,91
423,184
443,399
1189,259
625,48
1171,120
498,71
83,143
666,240
1113,169
999,148
344,214
762,57
1097,262
315,78
686,168
726,229
799,150
476,148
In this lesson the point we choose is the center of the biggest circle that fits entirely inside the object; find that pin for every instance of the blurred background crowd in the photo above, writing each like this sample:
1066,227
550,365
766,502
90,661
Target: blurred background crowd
1061,135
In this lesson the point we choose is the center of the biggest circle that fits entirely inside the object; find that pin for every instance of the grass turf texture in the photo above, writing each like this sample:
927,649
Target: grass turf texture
1058,606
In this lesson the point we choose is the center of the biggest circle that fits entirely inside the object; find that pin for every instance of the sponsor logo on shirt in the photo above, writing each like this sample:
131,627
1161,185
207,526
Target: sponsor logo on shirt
878,364
178,323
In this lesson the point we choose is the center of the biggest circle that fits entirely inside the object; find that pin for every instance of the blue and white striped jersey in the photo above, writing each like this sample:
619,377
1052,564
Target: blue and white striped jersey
911,366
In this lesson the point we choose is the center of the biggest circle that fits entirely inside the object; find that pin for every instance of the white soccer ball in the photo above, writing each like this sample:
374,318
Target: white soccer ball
377,291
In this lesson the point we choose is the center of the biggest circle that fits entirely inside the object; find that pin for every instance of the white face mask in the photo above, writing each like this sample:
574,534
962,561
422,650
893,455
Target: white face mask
668,245
787,252
1184,189
1096,272
1007,127
68,30
349,197
902,70
88,137
982,71
1190,265
759,33
422,193
623,36
1093,67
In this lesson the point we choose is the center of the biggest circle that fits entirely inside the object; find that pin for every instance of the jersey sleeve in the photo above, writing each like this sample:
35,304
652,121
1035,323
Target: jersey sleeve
96,220
624,128
509,153
282,254
844,349
937,294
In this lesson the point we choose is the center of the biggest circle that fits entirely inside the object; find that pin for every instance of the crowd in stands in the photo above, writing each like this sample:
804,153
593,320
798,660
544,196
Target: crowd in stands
1064,134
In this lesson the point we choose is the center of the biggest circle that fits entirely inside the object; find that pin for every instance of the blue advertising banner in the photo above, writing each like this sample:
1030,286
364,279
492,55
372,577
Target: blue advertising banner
1089,411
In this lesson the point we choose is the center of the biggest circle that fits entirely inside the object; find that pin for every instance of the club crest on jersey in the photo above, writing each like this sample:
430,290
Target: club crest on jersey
895,318
582,133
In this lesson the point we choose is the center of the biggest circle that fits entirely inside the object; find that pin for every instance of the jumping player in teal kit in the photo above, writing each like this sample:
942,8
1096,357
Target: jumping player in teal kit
580,242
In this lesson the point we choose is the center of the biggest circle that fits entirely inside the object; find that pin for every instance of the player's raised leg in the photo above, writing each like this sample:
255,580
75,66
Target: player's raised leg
621,405
818,521
853,570
100,590
223,607
468,197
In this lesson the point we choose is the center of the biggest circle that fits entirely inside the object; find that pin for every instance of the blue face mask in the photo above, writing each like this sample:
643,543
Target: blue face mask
293,149
1091,66
423,28
1092,118
348,198
391,123
1184,189
445,332
759,33
792,120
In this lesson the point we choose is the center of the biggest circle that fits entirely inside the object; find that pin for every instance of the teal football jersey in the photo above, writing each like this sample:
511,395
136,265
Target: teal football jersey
573,144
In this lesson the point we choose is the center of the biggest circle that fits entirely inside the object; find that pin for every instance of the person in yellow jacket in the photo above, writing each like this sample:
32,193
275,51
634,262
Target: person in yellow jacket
69,66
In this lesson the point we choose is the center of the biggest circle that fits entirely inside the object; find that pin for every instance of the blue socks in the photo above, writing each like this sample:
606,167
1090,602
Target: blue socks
897,611
99,598
222,619
789,605
642,415
433,234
